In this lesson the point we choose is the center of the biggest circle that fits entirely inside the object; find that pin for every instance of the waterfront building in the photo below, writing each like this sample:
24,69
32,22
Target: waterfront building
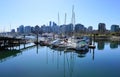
115,28
37,29
20,29
48,29
44,29
90,29
50,23
27,29
69,28
62,29
101,27
32,29
13,31
79,28
66,29
55,28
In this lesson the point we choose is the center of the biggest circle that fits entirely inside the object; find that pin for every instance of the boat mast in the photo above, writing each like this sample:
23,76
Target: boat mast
65,24
58,19
65,18
73,18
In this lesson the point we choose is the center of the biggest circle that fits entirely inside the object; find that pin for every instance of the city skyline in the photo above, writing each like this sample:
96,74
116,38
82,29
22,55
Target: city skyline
39,12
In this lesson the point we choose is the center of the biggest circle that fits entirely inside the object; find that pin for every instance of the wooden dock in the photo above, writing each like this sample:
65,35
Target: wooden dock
6,42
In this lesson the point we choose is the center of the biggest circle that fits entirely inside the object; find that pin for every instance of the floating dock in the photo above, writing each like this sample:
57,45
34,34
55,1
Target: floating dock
92,46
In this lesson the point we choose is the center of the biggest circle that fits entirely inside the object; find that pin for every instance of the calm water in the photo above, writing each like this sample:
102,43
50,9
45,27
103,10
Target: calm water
39,61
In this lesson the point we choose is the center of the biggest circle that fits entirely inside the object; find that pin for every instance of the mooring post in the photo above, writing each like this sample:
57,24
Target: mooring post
10,43
19,44
91,39
4,41
93,55
24,41
94,40
37,38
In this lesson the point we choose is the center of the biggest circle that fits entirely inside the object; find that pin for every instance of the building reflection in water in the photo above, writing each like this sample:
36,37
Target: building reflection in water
100,45
114,44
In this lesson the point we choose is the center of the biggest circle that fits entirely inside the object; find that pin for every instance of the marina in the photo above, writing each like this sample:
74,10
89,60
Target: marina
59,38
37,60
81,44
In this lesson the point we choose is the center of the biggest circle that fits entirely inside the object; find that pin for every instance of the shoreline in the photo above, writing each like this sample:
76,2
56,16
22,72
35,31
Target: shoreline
110,38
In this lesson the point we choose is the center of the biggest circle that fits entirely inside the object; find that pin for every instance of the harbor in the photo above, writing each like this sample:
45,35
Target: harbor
80,43
59,38
38,60
65,56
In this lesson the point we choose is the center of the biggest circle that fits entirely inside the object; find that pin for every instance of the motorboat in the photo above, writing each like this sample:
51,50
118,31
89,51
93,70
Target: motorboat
82,45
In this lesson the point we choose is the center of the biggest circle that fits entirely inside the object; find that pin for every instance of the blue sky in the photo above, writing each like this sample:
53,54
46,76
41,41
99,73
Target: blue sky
39,12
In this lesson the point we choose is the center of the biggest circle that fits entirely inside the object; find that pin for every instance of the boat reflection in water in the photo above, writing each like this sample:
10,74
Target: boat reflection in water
68,58
82,53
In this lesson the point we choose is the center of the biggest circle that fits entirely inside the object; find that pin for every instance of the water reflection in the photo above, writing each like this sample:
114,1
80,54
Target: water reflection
64,60
37,49
82,54
7,54
4,55
40,60
14,52
102,43
114,44
93,53
57,56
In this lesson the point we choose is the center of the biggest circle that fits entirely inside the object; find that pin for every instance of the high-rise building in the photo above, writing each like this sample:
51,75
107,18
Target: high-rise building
101,27
114,28
65,29
20,29
90,29
27,29
43,28
69,28
55,28
50,23
79,28
62,29
32,29
13,31
37,29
